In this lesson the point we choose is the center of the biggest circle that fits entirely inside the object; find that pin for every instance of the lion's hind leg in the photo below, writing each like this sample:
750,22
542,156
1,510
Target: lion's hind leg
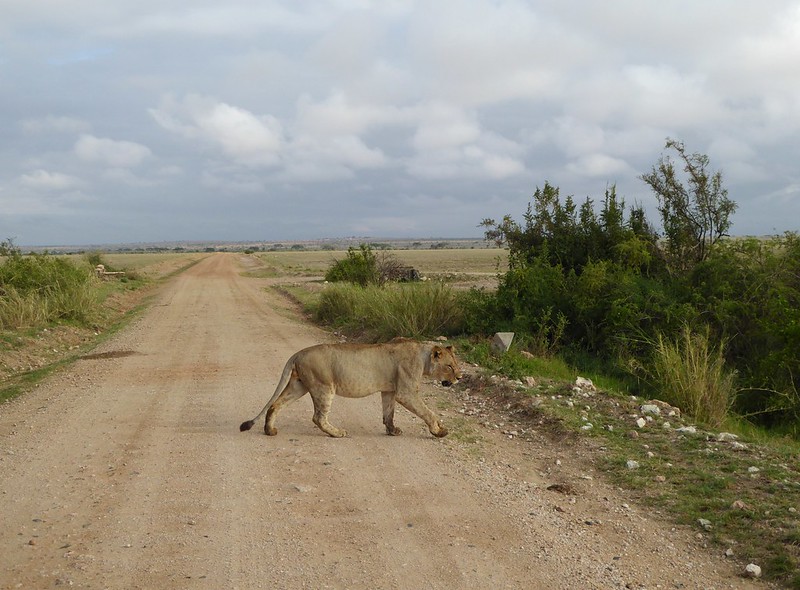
294,390
323,398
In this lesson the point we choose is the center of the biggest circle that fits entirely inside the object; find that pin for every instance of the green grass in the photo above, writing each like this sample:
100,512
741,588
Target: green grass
416,310
106,320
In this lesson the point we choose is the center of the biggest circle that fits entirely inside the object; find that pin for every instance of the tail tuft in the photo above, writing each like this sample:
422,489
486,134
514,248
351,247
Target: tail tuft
246,425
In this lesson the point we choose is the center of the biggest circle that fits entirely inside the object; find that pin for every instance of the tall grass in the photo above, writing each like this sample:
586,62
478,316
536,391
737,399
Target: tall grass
691,374
423,310
39,289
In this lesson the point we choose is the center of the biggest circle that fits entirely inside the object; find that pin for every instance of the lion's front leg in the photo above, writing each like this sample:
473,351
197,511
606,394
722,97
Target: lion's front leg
413,403
388,413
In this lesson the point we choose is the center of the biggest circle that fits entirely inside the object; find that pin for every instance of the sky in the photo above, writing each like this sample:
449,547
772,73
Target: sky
144,120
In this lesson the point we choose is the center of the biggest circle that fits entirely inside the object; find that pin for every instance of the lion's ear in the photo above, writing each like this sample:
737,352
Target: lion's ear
437,352
451,348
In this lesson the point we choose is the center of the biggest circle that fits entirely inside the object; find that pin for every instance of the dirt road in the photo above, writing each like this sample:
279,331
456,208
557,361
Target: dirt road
127,470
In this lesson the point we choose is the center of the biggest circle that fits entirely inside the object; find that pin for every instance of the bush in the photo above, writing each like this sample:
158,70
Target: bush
691,374
424,310
359,267
40,288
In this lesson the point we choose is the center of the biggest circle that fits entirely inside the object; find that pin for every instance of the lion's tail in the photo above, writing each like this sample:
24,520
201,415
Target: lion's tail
284,380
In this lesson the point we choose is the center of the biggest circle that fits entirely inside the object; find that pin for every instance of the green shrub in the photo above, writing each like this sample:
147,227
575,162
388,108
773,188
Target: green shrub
691,374
423,310
40,288
359,267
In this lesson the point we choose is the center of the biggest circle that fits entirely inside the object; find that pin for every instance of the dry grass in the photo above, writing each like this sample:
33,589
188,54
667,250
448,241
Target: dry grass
691,374
428,262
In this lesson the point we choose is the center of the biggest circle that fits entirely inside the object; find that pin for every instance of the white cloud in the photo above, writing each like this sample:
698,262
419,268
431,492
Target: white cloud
600,166
338,114
49,181
246,138
117,154
450,143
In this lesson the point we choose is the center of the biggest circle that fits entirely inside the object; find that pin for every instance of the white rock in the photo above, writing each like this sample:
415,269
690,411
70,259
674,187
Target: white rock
687,429
650,409
587,426
641,422
726,437
752,571
631,464
753,470
502,341
706,524
584,384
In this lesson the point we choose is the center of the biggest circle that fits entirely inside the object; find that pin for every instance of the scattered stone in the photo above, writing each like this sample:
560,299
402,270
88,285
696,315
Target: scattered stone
726,437
739,505
752,571
666,426
659,479
729,552
737,446
302,489
650,409
706,524
501,342
641,422
753,470
526,354
585,384
631,464
633,434
587,426
562,488
687,429
666,409
529,381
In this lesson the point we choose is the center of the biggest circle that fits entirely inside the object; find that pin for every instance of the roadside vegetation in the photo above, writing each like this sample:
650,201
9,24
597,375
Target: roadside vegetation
53,308
684,314
38,289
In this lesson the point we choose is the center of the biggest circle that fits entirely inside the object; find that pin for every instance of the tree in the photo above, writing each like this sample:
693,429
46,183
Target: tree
695,214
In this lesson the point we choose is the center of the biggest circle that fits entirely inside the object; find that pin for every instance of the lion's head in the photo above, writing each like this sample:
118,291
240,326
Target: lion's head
444,366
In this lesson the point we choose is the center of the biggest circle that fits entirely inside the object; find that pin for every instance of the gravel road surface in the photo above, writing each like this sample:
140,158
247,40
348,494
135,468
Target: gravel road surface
127,470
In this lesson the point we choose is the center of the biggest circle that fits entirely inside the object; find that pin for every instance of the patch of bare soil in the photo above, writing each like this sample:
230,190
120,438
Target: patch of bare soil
128,471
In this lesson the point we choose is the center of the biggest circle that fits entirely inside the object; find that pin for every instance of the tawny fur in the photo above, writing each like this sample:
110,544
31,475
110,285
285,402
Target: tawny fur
357,370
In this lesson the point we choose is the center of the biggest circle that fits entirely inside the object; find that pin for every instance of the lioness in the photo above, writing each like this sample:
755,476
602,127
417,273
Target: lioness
358,370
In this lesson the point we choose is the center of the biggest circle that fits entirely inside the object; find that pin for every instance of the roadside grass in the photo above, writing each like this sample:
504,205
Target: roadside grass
414,310
747,489
117,303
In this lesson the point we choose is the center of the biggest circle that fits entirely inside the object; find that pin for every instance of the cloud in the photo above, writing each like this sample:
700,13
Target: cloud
600,166
450,143
49,181
246,138
117,154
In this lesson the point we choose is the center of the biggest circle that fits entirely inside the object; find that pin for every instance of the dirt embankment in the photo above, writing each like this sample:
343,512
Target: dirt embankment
127,470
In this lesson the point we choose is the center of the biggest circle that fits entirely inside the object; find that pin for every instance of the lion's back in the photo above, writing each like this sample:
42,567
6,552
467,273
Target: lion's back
355,370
